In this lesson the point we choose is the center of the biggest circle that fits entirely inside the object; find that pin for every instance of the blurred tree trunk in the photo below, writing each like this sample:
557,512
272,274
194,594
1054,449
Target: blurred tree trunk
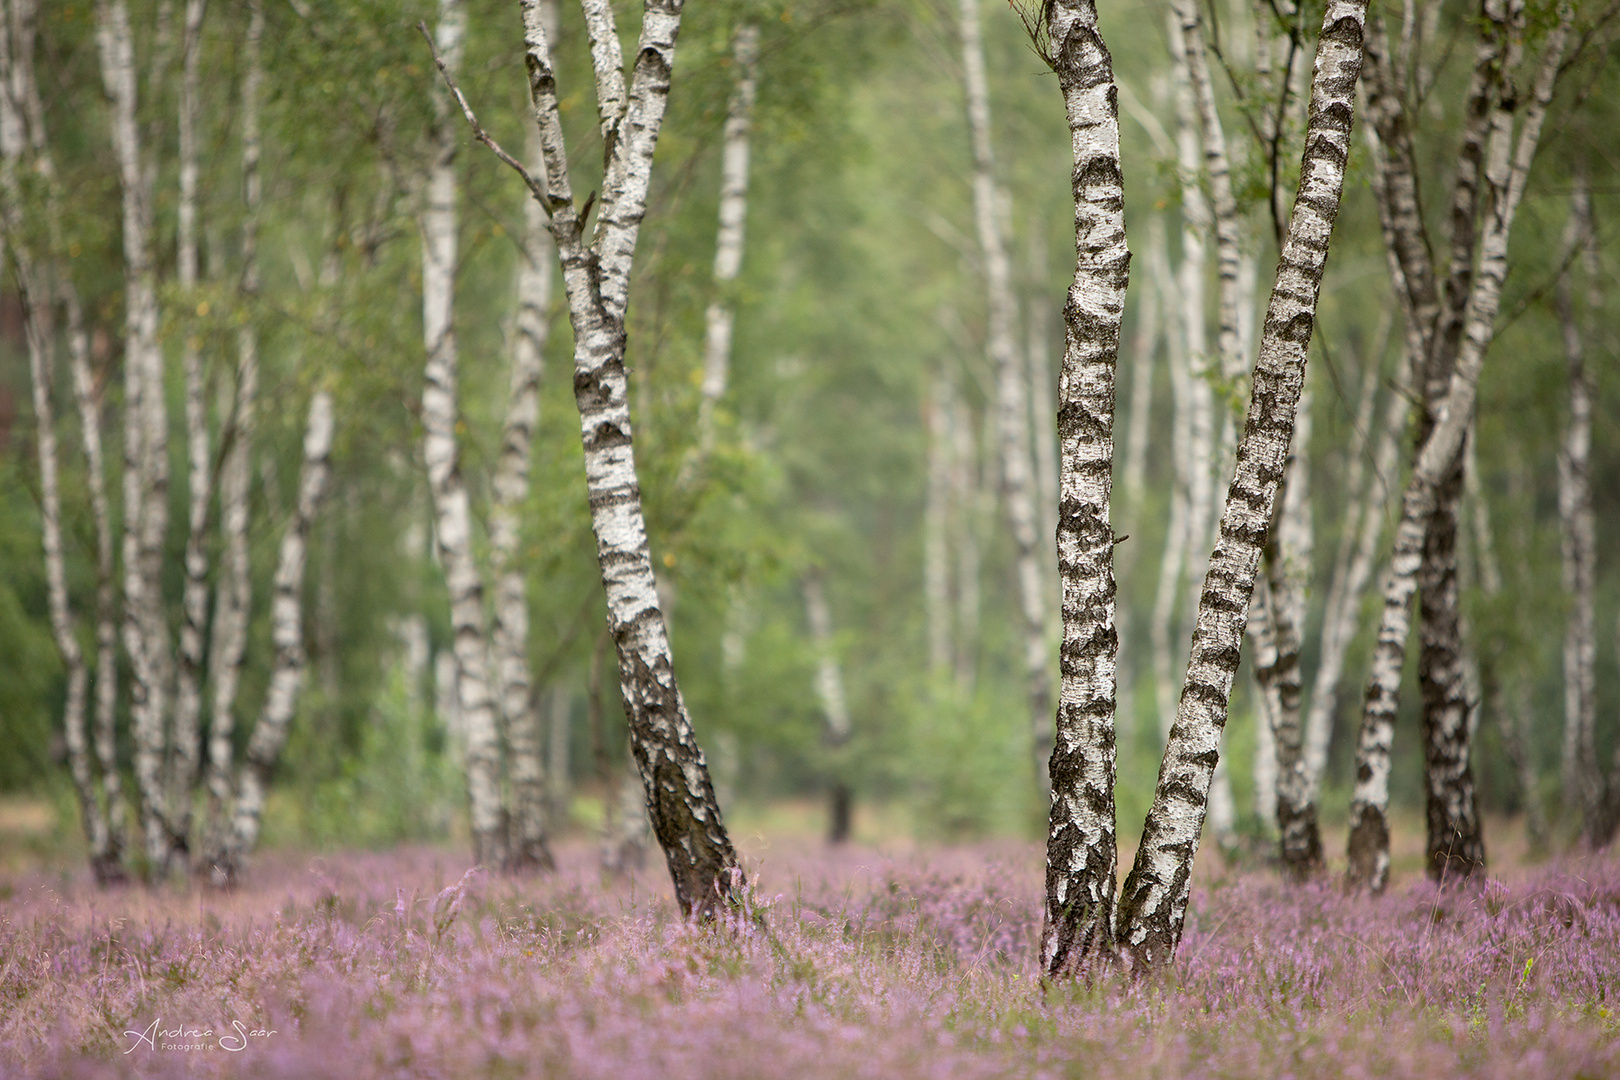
559,773
1583,780
1153,903
526,842
227,648
1456,847
146,470
936,521
967,500
1077,931
287,633
1012,403
442,456
728,251
834,707
1175,540
40,281
194,604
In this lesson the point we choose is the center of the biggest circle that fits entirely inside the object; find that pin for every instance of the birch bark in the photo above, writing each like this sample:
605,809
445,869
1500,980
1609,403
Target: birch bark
675,778
1012,401
194,603
936,520
1077,932
441,454
1154,900
728,251
227,647
527,843
1506,168
145,630
287,633
967,503
1581,775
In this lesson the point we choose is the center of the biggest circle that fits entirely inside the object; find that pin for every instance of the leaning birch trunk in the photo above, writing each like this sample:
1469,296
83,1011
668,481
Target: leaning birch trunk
1077,932
287,633
194,604
1581,774
596,276
834,706
145,440
1506,169
440,452
227,647
526,842
728,250
1154,901
1012,401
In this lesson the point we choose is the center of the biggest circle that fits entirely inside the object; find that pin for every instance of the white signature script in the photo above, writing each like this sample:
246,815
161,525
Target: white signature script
158,1037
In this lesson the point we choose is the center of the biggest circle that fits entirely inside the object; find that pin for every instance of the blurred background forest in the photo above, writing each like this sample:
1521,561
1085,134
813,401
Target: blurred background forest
858,372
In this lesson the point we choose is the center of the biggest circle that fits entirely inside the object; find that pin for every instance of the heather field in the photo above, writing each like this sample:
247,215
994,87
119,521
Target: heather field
917,963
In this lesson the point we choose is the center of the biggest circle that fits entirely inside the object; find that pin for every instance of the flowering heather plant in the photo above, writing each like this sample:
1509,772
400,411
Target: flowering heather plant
836,964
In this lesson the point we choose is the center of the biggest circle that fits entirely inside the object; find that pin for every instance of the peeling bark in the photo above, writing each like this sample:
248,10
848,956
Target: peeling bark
1077,931
1460,850
1154,901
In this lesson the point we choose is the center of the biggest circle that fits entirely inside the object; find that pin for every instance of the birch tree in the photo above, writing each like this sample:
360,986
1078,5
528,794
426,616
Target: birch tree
834,706
1077,931
1154,900
1012,400
287,634
1456,848
596,277
145,630
441,453
227,647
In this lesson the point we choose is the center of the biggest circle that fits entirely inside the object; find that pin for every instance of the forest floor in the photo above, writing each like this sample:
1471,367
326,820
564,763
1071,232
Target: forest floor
909,961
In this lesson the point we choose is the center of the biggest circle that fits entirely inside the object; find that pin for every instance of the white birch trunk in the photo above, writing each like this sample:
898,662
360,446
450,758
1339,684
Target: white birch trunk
728,251
969,511
194,604
1154,901
145,440
675,778
1012,403
227,647
1174,557
1043,413
1077,931
1506,168
287,634
1582,778
441,454
527,842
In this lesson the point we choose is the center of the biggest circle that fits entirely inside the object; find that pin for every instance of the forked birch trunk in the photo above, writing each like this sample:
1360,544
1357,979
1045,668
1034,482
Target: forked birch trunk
596,276
1077,931
287,634
194,603
1012,401
527,843
728,252
834,706
1582,777
1506,168
145,630
441,453
1154,901
233,602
